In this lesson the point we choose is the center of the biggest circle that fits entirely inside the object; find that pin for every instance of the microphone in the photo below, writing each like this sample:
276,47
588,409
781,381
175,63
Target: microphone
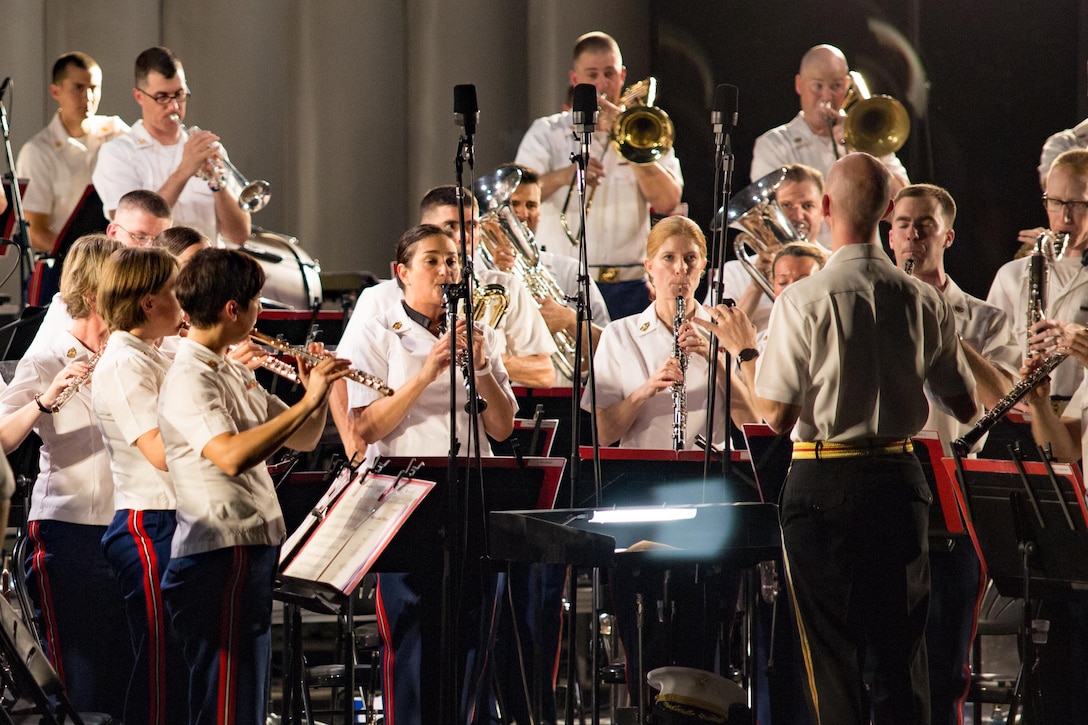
465,111
723,117
584,108
4,87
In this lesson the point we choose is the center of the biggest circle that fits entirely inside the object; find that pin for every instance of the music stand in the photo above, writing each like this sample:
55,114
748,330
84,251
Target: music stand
16,336
1031,524
7,219
86,218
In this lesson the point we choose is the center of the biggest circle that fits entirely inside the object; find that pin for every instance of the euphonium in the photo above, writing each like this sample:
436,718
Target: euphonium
1049,248
642,133
252,195
679,388
75,384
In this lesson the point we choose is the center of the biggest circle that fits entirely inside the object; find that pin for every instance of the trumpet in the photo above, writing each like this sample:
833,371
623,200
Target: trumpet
252,195
75,384
301,353
642,133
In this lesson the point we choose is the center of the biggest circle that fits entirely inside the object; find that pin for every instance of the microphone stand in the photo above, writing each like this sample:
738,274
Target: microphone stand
454,549
584,135
723,162
22,237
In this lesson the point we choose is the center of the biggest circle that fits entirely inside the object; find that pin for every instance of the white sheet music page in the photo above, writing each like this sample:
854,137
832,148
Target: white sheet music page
356,529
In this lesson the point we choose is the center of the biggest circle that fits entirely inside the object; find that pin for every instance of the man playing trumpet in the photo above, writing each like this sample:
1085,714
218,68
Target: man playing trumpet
160,155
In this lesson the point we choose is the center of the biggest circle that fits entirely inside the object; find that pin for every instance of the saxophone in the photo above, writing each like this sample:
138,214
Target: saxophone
679,389
75,384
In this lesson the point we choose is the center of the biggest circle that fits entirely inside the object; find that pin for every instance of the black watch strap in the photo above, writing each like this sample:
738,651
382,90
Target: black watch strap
748,353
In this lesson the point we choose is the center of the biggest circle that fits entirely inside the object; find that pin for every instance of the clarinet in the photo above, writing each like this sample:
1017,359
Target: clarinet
964,443
679,391
449,323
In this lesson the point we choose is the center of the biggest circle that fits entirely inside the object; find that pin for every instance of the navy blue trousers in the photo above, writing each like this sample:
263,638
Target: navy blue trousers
80,613
221,605
955,573
624,299
137,547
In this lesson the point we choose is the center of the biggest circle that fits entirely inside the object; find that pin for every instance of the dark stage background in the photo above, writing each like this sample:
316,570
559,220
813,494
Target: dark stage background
989,83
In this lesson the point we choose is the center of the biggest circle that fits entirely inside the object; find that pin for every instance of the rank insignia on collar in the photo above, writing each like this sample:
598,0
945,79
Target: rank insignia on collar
397,325
645,327
212,364
71,354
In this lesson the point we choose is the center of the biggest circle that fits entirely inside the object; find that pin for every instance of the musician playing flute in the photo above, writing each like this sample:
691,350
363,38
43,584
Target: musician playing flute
79,610
137,301
218,428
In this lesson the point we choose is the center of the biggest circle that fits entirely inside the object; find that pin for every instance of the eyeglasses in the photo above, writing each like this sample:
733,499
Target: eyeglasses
1075,208
144,240
164,99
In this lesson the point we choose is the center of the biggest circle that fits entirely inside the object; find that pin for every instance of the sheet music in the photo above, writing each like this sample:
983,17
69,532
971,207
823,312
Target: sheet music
355,531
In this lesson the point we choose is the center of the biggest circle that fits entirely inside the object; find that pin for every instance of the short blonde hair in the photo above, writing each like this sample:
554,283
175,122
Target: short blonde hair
82,267
129,275
675,226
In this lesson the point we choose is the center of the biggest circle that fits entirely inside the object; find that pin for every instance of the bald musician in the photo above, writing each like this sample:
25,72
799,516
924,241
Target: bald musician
844,368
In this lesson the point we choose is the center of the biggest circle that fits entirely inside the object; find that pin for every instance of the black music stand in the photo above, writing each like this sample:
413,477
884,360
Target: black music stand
7,218
1031,525
86,218
16,336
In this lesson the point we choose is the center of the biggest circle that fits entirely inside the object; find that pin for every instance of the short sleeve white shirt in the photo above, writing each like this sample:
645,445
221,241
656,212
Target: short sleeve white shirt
395,348
137,161
619,219
125,397
74,482
630,351
565,272
203,396
59,166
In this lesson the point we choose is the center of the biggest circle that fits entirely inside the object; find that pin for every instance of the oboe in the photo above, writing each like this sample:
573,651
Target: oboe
301,353
964,443
679,390
461,361
75,384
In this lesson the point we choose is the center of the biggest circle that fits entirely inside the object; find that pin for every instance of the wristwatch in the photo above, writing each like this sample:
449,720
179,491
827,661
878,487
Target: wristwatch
748,353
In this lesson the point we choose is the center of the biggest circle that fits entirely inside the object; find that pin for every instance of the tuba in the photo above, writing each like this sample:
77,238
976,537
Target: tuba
763,224
878,125
499,227
642,133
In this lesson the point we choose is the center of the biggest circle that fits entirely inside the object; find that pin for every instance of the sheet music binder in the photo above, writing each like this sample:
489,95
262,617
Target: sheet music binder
335,547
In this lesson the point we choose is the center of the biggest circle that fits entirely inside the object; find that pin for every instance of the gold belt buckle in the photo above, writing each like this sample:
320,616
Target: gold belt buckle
608,275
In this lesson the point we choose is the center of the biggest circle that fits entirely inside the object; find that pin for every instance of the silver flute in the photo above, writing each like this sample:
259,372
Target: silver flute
75,384
679,389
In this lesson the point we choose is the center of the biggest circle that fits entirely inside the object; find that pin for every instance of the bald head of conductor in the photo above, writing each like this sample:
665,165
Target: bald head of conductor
858,194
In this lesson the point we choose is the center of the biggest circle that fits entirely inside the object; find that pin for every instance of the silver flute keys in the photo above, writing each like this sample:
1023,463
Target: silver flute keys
679,389
75,384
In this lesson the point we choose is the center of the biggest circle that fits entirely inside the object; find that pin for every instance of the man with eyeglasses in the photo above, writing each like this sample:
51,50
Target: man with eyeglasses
815,135
59,159
140,216
1066,204
160,155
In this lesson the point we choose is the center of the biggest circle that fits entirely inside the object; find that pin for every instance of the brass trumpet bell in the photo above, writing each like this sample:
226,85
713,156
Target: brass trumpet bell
877,125
642,133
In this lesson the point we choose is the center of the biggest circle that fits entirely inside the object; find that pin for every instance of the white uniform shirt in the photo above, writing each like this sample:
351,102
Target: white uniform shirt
630,351
74,482
1067,301
619,219
735,281
1062,141
394,347
137,161
56,322
565,272
59,166
857,368
986,329
125,399
522,330
204,396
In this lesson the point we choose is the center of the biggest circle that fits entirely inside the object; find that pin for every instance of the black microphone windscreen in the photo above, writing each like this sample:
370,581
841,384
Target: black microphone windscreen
585,98
464,106
725,104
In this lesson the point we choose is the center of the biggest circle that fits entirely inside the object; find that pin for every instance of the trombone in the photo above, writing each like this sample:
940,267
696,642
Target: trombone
642,133
878,125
